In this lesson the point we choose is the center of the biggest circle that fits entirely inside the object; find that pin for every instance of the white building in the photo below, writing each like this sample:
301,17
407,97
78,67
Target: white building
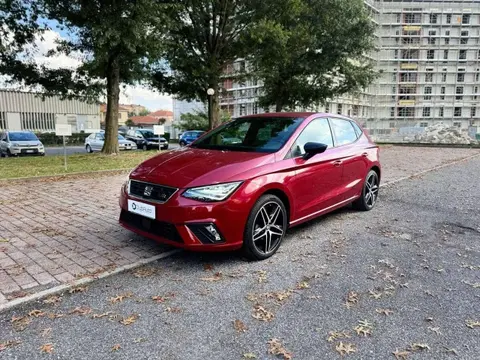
429,59
28,111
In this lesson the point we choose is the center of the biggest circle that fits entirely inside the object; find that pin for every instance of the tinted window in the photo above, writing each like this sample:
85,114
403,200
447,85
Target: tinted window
22,136
100,136
344,131
147,133
263,134
317,131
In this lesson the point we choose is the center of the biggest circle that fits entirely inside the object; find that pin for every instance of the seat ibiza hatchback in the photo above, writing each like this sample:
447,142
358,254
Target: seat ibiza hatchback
243,184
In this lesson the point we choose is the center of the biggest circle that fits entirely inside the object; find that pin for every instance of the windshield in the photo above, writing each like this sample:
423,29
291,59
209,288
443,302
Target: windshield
262,134
22,136
147,134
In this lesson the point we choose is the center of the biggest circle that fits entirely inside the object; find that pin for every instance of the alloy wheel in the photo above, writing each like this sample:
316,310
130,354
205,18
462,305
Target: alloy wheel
268,228
371,190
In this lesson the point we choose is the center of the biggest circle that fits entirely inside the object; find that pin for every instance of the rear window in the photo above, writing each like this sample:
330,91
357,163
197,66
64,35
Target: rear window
22,136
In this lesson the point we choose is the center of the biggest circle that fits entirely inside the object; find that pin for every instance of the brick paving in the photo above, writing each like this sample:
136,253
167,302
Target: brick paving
52,232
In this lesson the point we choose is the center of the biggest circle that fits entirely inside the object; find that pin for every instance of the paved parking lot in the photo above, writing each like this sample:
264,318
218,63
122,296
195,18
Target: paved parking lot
52,232
399,282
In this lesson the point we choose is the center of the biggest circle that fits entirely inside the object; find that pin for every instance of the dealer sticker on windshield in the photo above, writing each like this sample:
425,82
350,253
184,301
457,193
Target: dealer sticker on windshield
141,209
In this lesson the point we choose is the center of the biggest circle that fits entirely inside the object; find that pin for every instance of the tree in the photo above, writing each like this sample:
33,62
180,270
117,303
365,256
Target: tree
129,123
162,121
198,120
121,43
144,112
207,35
314,59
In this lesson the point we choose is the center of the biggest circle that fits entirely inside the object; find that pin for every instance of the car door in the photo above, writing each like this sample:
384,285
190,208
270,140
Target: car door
316,185
3,142
352,154
97,142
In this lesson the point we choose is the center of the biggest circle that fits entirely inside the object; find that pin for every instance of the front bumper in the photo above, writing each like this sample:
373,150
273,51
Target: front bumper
154,145
181,222
21,151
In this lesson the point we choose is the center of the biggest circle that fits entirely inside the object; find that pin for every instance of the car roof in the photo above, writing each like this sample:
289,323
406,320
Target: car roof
280,115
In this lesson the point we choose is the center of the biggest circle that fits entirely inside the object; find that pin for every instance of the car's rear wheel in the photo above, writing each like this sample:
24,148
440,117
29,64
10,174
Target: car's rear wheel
369,197
145,147
265,229
182,143
89,149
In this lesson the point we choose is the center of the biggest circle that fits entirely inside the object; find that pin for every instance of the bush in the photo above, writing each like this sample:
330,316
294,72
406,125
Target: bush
50,139
166,136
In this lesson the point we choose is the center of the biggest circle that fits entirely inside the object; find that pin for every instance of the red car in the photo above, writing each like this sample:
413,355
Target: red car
243,184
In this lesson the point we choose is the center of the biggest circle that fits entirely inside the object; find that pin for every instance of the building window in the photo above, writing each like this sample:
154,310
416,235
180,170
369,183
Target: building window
442,92
457,112
339,109
433,18
431,40
444,76
459,92
406,112
392,112
466,19
464,41
478,55
447,41
327,107
426,112
464,37
430,54
242,110
429,75
449,18
475,92
447,33
462,55
457,124
427,91
399,18
392,125
473,112
424,124
412,18
445,54
441,112
394,76
477,75
461,75
255,108
355,110
396,54
408,77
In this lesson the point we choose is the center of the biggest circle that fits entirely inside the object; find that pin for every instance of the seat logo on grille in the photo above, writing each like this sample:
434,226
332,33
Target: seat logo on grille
148,190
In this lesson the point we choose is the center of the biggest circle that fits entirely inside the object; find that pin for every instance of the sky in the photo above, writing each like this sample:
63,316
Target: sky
139,95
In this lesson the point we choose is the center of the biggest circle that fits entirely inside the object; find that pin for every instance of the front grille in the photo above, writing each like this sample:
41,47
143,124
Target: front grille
152,192
29,151
155,227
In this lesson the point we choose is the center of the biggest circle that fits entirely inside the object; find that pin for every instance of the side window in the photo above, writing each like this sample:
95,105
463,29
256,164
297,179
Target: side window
357,129
344,131
138,134
317,131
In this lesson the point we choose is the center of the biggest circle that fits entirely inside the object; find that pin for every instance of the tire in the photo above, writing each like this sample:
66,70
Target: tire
369,197
182,143
89,149
274,232
145,147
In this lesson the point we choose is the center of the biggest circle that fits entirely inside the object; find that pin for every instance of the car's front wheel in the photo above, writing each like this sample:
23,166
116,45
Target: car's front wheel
369,196
265,229
89,149
145,147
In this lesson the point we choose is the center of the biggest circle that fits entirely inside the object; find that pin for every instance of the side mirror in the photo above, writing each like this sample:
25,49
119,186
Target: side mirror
312,149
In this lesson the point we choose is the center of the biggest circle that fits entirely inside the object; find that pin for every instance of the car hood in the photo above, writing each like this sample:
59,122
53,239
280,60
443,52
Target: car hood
126,142
27,143
190,167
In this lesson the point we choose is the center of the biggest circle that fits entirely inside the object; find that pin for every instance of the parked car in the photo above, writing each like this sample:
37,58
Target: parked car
94,142
146,139
16,143
189,136
288,169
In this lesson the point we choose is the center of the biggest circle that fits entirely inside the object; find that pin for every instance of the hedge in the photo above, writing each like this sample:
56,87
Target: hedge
50,139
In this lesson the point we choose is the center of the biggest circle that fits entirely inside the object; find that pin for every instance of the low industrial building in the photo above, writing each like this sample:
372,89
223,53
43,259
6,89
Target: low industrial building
29,111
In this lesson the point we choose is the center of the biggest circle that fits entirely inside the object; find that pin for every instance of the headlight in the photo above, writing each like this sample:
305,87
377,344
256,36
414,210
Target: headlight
15,144
212,192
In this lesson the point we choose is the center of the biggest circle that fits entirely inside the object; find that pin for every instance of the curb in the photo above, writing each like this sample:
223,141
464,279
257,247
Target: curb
87,280
61,288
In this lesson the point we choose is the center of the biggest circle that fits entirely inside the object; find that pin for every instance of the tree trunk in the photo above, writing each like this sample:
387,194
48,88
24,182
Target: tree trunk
110,146
215,110
278,105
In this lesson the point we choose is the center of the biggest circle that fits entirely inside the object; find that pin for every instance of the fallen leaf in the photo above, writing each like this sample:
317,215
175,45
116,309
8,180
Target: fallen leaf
52,300
352,299
314,297
9,343
139,340
276,348
262,276
78,289
129,320
99,316
279,296
364,328
216,277
385,312
55,316
472,324
345,348
207,267
375,295
335,335
451,351
36,313
144,272
401,355
116,347
46,348
239,326
20,323
46,332
175,310
303,285
119,298
4,240
81,310
418,347
249,356
436,330
164,298
262,314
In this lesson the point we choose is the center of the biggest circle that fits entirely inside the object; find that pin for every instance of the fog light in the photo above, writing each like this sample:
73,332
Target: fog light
213,231
206,233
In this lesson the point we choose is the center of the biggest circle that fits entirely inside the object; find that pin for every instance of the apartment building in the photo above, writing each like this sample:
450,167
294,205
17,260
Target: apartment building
429,60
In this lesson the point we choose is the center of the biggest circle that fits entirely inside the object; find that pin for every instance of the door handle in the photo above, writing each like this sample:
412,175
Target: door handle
365,154
337,163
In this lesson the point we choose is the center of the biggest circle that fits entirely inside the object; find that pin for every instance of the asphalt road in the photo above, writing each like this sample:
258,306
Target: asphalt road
402,278
51,151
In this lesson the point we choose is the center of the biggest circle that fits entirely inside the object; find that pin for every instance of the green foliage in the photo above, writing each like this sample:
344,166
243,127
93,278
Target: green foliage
50,139
144,112
198,120
129,122
310,60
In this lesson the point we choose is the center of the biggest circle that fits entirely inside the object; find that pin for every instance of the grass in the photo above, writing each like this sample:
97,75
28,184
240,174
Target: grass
53,165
